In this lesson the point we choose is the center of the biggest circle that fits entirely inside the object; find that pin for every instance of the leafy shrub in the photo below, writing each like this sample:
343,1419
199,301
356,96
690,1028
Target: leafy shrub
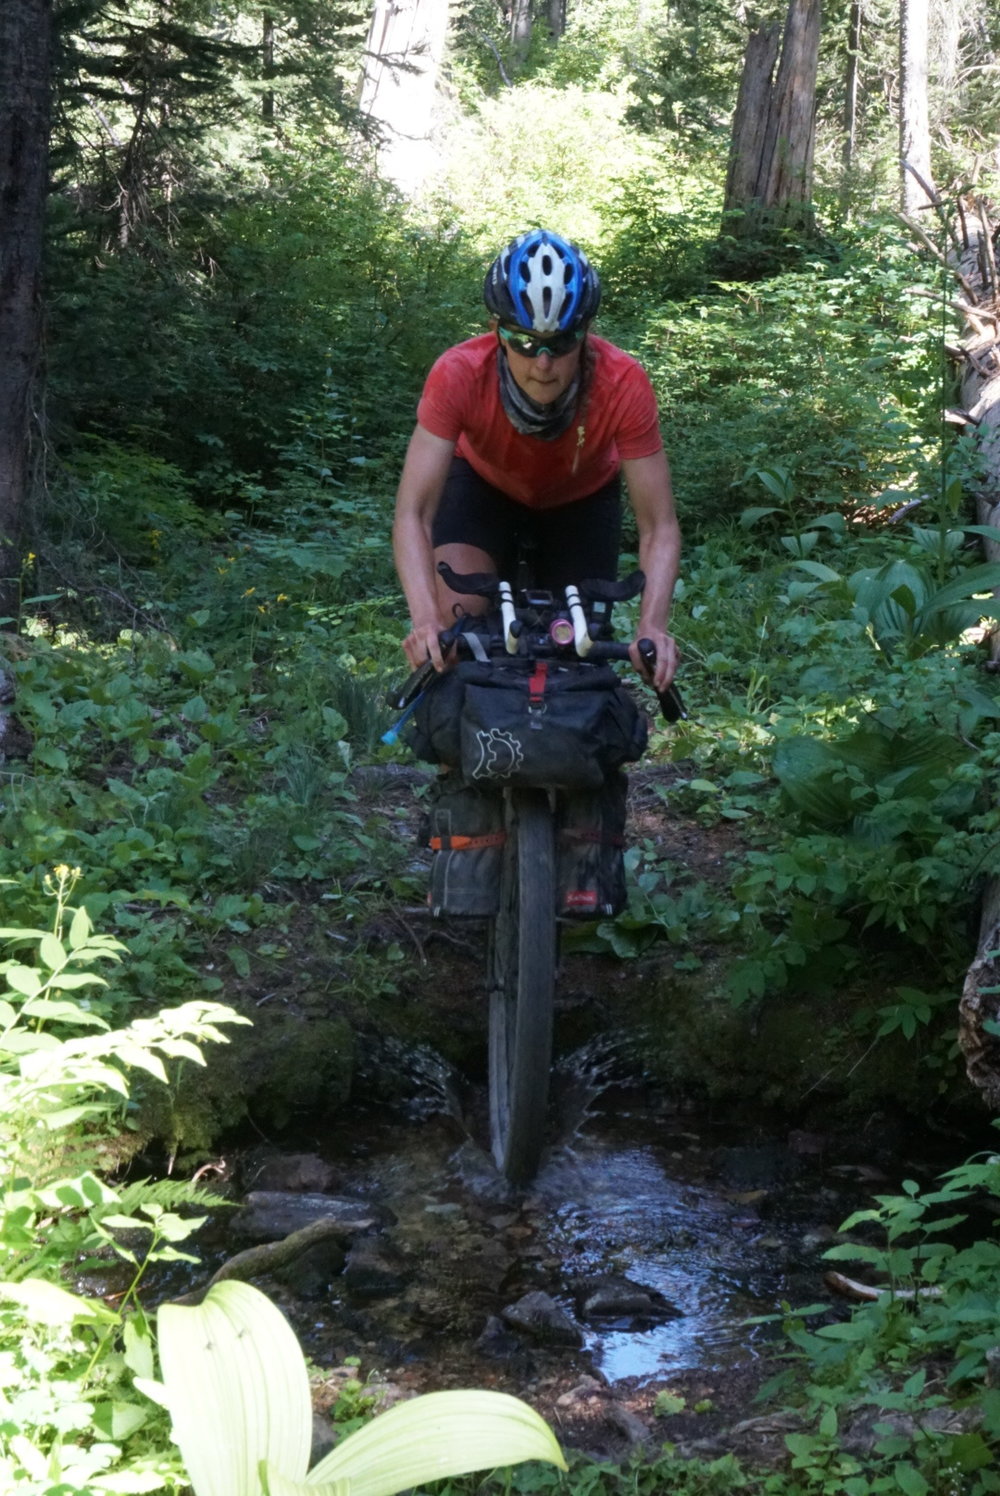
71,1416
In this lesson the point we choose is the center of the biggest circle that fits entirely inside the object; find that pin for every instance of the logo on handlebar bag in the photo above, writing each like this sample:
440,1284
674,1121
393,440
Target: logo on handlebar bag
500,754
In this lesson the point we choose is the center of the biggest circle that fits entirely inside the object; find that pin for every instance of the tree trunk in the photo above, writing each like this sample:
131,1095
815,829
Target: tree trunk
267,60
914,129
25,83
557,18
750,118
771,157
520,28
398,86
851,87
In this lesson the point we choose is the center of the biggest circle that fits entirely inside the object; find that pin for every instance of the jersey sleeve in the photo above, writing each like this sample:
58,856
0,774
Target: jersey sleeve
638,433
441,407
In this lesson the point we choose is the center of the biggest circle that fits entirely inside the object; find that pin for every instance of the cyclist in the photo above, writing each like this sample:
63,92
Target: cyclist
523,434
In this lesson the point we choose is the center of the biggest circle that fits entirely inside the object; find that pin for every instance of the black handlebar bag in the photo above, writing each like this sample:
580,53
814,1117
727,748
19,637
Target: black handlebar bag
545,725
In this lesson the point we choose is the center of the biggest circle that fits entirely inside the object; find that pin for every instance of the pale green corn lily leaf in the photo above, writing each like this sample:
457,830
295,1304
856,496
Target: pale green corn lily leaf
238,1393
237,1389
438,1435
276,1484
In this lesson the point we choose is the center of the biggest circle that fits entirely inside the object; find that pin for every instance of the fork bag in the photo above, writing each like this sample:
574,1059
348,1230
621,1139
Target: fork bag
590,850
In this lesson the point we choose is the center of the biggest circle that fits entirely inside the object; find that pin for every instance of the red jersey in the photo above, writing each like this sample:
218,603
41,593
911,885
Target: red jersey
461,403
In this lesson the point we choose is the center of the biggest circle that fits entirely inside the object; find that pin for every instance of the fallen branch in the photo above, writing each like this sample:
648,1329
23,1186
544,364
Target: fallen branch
865,1293
255,1262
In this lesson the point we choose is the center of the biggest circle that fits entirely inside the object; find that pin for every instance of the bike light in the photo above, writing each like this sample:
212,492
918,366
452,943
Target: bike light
561,631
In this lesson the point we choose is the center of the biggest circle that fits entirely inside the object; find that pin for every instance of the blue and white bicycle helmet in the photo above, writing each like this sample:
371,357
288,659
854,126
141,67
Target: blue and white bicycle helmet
543,283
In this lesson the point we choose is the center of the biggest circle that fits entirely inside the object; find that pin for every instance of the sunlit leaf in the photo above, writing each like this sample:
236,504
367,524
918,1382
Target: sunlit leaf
237,1388
440,1434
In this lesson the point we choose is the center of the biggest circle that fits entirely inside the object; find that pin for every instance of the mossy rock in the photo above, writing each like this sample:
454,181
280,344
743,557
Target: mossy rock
286,1066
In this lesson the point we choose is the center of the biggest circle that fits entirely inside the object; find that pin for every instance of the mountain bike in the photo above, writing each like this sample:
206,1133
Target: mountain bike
517,653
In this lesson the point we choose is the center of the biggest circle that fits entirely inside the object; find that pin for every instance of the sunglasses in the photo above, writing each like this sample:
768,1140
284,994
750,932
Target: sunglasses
555,344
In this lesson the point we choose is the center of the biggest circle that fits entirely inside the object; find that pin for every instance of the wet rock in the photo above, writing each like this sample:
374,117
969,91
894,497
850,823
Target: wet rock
761,1167
270,1215
375,1269
497,1341
636,1434
323,1438
296,1173
585,1387
540,1316
614,1297
311,1273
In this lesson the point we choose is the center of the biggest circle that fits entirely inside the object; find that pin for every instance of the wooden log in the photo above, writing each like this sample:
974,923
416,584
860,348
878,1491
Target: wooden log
979,1006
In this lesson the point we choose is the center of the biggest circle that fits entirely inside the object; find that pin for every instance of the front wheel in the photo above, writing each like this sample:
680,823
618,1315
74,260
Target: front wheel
522,966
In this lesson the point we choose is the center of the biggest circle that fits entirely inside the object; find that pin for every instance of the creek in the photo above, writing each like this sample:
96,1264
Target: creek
651,1238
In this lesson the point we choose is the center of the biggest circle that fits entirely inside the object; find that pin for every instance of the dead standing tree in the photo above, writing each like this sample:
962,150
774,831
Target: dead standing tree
971,258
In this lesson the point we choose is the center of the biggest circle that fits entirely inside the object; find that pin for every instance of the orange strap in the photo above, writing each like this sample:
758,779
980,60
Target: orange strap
466,843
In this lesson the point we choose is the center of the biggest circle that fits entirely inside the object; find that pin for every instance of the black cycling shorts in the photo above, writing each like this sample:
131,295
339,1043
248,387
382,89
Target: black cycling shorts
570,543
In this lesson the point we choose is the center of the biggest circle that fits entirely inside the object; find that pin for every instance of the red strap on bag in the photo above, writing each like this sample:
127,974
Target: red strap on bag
538,682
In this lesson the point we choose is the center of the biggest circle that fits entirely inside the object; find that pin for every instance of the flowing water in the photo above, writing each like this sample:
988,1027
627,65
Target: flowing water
717,1230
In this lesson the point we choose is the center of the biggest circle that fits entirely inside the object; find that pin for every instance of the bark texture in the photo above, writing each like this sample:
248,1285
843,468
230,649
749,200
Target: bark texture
520,28
851,85
769,181
974,263
914,128
25,83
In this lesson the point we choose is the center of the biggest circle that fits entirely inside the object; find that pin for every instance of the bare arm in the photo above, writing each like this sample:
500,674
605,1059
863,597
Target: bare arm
428,459
651,496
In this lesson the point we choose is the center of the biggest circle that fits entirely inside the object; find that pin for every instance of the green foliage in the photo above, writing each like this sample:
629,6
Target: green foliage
236,1384
71,1418
921,1347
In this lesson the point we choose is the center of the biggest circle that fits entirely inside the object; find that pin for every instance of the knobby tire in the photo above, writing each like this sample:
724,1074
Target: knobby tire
522,968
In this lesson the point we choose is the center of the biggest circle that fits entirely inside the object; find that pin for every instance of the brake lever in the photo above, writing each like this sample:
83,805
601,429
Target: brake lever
422,676
671,702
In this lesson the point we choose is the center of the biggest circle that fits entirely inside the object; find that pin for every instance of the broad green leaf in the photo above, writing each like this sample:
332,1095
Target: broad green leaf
237,1389
138,1349
52,952
141,1059
910,1480
818,570
45,1303
438,1435
777,481
750,517
79,930
64,1012
117,1420
68,981
24,979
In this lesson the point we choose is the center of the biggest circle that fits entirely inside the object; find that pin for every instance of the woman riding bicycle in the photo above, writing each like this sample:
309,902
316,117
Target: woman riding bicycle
523,436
